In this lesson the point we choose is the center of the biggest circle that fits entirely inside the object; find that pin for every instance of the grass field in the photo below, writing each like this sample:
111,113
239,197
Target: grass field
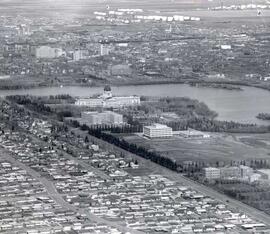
220,147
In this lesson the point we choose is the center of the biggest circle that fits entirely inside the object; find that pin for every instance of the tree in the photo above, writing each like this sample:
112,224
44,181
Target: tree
86,140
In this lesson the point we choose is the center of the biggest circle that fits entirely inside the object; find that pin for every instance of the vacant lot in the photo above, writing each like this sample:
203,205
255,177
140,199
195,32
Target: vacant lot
220,147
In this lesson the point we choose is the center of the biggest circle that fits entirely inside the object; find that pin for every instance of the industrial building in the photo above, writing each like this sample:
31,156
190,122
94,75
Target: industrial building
98,118
157,131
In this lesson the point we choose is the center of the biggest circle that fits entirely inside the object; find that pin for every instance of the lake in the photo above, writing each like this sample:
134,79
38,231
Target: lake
231,105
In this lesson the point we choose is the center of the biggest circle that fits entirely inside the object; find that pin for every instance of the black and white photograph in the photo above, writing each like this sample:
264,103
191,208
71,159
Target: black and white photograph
134,116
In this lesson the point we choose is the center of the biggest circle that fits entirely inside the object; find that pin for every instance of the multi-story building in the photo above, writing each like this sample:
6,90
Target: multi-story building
211,173
245,171
157,130
107,100
230,172
104,49
107,117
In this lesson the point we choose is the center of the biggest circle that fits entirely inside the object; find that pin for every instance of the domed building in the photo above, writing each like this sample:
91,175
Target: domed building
107,93
107,100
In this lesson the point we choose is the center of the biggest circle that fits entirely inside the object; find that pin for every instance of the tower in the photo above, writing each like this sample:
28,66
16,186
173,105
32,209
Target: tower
107,93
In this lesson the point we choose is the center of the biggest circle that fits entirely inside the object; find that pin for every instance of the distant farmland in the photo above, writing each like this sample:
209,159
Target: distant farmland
84,8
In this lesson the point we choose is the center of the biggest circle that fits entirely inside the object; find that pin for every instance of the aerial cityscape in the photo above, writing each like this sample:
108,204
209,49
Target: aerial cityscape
131,117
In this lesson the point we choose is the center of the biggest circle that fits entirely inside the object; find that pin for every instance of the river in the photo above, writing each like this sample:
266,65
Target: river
231,105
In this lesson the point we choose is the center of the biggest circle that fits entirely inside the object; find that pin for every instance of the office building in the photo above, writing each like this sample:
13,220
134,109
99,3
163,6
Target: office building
230,172
211,173
157,131
245,171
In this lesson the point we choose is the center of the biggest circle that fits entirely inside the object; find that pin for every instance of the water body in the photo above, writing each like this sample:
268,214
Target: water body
231,105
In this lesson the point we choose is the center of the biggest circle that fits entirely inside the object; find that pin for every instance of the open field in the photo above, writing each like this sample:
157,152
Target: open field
220,147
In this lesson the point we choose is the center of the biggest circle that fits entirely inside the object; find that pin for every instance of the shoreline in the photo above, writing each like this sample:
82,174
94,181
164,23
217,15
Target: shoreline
191,82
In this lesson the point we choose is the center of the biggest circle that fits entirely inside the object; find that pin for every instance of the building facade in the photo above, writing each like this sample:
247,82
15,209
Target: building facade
91,102
230,172
116,102
157,131
98,118
211,173
107,100
245,171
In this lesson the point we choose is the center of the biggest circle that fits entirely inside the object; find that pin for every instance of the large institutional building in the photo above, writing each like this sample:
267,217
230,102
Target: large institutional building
91,102
157,131
108,101
236,172
211,173
97,118
48,52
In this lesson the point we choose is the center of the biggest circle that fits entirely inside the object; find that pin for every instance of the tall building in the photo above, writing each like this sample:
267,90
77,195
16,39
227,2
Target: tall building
157,131
79,55
107,117
211,173
104,49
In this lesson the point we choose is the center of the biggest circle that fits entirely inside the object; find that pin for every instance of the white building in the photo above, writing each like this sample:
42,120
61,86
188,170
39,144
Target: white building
79,55
157,130
104,49
230,172
226,47
116,102
107,100
107,117
48,52
246,171
91,102
211,173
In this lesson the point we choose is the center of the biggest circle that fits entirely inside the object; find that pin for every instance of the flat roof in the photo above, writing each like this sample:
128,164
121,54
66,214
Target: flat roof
157,126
